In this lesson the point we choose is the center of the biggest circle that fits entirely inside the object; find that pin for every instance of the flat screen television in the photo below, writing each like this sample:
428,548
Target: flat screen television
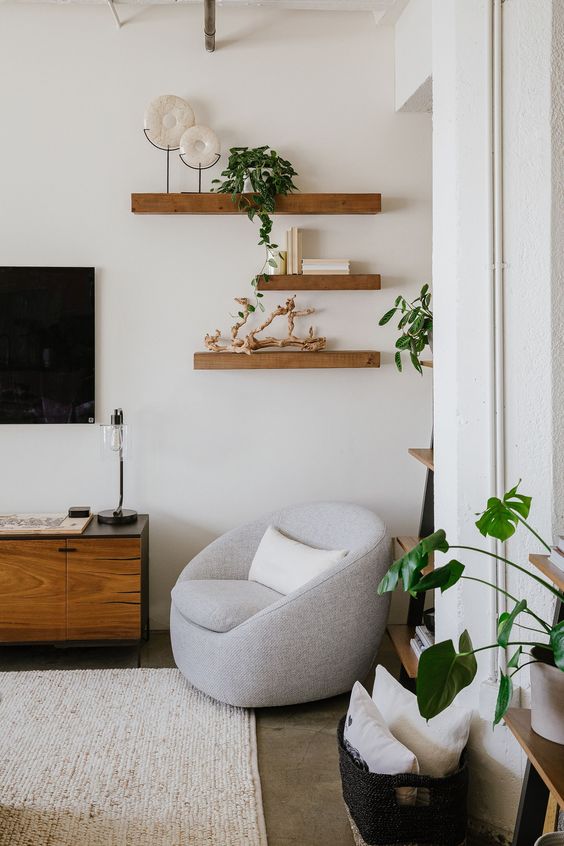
46,345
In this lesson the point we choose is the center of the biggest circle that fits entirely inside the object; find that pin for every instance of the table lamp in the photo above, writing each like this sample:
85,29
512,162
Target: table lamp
115,440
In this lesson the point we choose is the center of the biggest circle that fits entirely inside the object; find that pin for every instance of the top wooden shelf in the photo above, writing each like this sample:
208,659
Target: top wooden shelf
425,456
545,756
223,204
545,565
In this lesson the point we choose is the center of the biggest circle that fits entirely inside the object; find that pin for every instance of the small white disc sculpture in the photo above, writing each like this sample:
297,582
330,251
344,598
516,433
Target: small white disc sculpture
166,119
199,145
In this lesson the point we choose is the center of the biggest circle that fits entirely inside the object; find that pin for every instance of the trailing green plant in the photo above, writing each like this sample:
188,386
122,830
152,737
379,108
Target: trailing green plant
416,323
269,175
445,670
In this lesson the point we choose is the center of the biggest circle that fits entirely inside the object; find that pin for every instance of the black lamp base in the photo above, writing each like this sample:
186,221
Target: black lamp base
126,516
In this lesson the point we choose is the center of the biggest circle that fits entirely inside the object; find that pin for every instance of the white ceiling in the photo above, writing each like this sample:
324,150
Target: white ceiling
385,12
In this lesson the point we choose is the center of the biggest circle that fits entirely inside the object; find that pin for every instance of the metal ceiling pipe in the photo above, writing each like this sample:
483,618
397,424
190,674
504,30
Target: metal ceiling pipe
209,25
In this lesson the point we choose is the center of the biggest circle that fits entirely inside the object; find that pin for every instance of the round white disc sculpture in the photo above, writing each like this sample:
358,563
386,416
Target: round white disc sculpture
199,146
166,119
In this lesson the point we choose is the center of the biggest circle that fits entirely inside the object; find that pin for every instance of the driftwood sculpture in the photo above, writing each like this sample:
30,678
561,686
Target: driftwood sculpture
250,343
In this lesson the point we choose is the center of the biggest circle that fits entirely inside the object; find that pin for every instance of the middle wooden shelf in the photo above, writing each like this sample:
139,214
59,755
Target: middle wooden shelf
321,282
282,360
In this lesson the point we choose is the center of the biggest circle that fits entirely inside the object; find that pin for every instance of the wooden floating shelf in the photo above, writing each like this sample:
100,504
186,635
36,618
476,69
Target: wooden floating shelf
223,204
268,360
554,573
425,456
427,363
546,757
318,282
401,635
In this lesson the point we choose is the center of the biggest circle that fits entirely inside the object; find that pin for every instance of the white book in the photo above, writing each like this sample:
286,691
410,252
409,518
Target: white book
326,261
289,252
426,637
415,647
343,267
308,272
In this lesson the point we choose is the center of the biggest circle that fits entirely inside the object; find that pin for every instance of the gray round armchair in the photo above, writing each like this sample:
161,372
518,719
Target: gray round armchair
249,646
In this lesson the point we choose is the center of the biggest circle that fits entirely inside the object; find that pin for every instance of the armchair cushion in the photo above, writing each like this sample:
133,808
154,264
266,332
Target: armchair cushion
284,564
220,605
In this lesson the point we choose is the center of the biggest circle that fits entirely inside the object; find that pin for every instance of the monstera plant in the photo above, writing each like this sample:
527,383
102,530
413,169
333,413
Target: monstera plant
444,669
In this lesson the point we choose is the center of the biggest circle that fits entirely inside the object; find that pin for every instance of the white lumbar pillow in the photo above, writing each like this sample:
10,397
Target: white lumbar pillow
372,745
284,565
438,744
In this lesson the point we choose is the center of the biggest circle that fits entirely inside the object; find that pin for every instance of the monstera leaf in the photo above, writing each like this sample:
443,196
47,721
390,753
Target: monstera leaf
557,644
443,578
500,518
443,673
504,695
408,568
505,623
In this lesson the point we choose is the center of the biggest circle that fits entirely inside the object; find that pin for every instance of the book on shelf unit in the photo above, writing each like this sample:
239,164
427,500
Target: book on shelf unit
293,251
326,266
424,635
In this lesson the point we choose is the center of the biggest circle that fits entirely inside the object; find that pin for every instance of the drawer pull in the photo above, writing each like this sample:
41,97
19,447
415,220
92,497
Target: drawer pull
67,549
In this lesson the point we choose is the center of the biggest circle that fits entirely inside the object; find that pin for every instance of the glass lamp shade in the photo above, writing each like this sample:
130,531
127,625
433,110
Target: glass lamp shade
115,442
115,438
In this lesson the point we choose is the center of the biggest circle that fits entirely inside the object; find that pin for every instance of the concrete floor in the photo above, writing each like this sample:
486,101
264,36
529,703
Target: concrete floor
297,749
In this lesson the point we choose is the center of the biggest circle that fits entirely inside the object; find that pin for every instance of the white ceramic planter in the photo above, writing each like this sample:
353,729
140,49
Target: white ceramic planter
554,839
547,699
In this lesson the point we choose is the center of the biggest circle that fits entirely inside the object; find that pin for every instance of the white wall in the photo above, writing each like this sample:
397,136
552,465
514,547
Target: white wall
533,129
414,57
213,449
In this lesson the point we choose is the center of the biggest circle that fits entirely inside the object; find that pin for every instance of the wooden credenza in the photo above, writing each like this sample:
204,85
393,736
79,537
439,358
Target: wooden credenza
92,588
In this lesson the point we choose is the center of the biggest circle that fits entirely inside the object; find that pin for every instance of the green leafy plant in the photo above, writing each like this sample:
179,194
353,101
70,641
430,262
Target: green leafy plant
444,670
269,175
416,323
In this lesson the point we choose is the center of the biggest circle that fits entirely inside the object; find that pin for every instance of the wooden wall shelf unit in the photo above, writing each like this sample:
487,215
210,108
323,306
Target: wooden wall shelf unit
267,360
546,756
543,782
318,282
425,456
86,589
223,204
555,574
427,363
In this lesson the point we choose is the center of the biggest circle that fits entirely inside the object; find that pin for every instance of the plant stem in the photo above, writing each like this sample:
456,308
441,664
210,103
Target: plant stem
497,646
532,531
526,664
509,596
542,582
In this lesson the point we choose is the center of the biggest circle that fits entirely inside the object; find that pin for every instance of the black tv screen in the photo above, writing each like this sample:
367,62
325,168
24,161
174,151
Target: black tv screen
46,345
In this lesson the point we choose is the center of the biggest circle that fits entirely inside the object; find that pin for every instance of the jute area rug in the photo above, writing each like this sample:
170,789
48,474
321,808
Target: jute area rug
124,758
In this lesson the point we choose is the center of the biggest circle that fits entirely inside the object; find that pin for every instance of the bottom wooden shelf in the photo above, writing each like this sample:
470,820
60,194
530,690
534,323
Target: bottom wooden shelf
400,635
546,757
274,360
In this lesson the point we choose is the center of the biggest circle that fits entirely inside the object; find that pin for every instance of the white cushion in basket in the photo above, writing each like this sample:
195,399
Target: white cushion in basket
438,744
284,565
370,742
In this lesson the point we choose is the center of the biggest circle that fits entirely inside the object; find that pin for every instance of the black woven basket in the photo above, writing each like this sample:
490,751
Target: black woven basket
377,819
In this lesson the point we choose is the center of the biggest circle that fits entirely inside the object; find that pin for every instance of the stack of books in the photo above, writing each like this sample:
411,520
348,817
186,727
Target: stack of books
293,251
556,557
423,640
329,267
